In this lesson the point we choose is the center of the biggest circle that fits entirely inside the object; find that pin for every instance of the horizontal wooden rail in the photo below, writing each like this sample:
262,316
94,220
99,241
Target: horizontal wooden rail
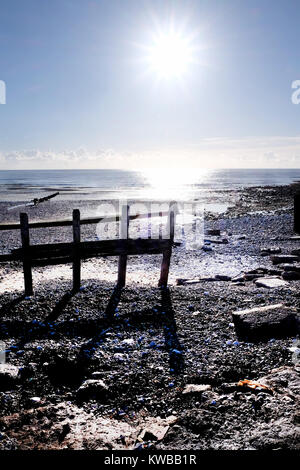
92,248
69,222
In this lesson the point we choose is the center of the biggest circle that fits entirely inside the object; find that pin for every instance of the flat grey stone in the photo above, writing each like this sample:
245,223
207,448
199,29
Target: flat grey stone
194,388
276,320
270,282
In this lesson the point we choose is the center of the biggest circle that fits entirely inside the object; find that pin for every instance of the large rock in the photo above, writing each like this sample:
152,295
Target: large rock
270,282
93,388
8,376
266,322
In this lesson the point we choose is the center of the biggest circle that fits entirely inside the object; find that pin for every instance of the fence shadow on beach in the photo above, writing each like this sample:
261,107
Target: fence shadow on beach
166,320
110,321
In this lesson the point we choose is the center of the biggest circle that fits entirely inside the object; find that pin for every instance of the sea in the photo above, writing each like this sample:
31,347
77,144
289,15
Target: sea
163,183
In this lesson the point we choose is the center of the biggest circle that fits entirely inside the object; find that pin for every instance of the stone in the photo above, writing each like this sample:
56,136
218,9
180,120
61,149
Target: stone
207,248
194,388
8,376
296,252
214,232
252,277
279,259
238,278
291,276
270,251
270,282
270,321
221,277
92,388
291,267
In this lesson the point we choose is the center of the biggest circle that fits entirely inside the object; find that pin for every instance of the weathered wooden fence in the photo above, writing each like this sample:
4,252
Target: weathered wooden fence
74,252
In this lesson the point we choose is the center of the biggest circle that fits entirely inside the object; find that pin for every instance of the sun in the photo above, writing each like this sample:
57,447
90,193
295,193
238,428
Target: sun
170,55
170,51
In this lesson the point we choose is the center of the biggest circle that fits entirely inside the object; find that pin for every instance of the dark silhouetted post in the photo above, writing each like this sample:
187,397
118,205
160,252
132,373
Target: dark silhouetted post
124,235
165,265
297,213
26,255
76,248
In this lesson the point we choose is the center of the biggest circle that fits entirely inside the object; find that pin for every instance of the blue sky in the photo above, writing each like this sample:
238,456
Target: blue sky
79,92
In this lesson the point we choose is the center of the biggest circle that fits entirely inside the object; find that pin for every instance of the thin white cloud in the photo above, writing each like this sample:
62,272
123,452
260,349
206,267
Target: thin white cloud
247,152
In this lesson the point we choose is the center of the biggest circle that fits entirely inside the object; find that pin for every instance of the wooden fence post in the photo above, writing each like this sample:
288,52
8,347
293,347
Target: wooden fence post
297,212
76,250
124,235
149,225
26,255
165,265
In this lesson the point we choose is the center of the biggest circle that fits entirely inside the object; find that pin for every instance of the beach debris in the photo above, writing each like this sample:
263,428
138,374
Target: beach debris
92,388
194,389
8,376
269,321
270,282
279,259
250,384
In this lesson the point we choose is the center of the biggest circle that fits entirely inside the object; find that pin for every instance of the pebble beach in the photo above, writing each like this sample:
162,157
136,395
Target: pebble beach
158,368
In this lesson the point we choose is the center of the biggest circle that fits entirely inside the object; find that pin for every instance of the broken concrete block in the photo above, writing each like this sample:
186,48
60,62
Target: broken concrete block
270,321
270,282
